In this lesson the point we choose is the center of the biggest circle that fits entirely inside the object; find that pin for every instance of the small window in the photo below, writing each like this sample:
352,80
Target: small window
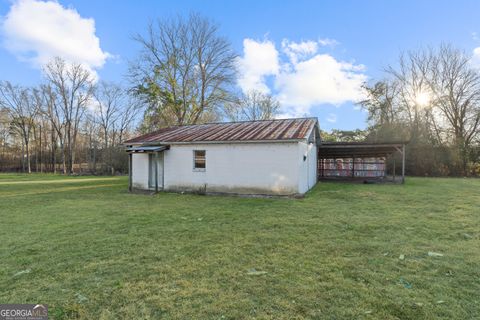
199,160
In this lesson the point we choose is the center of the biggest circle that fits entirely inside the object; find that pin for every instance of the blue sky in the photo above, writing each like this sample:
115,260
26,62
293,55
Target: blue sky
329,41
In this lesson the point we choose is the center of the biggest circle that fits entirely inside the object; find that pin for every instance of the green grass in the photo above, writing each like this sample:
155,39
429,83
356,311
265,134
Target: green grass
90,250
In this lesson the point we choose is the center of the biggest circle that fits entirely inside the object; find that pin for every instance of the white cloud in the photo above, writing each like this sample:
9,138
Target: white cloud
318,80
332,118
302,77
327,42
260,59
37,31
476,57
299,50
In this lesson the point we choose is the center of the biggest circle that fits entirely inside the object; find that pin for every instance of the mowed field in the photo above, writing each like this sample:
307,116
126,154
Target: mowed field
90,250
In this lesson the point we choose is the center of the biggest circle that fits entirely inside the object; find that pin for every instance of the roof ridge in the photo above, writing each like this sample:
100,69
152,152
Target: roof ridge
240,121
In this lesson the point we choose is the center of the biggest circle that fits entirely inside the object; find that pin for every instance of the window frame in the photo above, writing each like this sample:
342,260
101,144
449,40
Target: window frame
199,169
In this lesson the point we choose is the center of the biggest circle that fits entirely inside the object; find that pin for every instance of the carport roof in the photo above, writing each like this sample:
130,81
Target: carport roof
331,150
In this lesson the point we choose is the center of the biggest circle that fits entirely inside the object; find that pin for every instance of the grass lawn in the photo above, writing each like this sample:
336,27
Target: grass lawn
90,250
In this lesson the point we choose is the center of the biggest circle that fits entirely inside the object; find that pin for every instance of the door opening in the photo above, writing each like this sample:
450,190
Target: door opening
155,172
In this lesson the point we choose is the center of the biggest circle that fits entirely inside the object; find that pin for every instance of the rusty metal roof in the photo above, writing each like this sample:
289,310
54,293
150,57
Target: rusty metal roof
264,130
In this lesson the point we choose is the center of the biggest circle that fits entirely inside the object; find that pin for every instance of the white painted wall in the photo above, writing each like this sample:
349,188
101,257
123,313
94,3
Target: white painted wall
160,169
244,168
308,167
248,168
140,170
312,166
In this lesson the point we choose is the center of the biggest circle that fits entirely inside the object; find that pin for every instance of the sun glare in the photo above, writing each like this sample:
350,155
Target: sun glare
423,99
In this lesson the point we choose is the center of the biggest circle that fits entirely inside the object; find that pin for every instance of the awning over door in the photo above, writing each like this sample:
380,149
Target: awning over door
147,149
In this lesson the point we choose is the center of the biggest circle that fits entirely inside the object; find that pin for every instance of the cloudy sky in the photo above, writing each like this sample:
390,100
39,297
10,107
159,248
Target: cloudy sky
312,55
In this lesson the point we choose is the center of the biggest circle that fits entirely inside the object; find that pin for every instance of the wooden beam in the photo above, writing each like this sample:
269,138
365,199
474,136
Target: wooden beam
353,167
359,145
385,165
394,165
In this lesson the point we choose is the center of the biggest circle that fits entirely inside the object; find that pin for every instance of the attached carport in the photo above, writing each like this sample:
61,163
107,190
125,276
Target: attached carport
358,150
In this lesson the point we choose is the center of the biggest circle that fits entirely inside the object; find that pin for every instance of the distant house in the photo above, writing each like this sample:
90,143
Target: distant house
274,157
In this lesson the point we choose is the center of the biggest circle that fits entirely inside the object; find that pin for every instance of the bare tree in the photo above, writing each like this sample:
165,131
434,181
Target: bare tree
57,125
253,105
455,85
380,102
72,86
442,88
23,107
129,116
434,95
184,70
4,133
410,78
110,100
42,133
114,112
92,130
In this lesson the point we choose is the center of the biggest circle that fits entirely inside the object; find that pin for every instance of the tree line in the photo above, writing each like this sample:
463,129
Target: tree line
68,119
185,73
431,100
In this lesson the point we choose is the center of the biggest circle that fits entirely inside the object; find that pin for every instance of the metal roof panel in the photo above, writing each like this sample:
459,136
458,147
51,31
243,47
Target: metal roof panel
263,130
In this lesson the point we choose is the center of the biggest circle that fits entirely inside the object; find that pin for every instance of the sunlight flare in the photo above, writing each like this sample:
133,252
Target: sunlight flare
423,98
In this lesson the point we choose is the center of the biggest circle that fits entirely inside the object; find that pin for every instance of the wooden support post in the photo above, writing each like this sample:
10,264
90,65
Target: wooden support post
335,167
319,168
385,166
394,165
323,167
353,167
403,164
130,172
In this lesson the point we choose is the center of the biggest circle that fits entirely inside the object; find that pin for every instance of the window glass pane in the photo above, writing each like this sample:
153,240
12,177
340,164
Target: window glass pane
199,159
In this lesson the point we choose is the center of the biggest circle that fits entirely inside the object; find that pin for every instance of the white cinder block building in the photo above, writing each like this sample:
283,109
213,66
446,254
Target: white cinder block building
272,157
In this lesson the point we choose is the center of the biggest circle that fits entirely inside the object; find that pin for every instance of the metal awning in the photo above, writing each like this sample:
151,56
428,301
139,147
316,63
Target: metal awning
147,149
357,149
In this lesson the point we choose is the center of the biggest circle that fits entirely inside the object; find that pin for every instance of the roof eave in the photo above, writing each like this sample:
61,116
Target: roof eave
316,127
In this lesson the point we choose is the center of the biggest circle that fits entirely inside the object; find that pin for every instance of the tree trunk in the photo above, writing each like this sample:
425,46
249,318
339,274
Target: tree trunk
95,158
27,152
64,164
36,148
54,152
40,150
23,156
